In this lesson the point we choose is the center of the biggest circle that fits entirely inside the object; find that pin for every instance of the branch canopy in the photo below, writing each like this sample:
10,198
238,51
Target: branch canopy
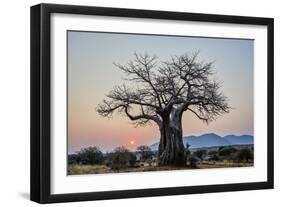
182,83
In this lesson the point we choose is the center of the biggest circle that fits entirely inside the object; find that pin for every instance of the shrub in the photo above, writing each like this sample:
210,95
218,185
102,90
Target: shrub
245,154
90,155
227,151
200,153
187,151
193,161
72,159
214,157
145,151
121,158
213,152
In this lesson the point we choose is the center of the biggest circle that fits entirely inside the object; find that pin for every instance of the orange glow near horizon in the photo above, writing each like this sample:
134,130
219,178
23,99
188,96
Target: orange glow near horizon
91,75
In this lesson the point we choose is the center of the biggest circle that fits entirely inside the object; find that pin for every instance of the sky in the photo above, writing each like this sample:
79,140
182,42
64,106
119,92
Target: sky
92,74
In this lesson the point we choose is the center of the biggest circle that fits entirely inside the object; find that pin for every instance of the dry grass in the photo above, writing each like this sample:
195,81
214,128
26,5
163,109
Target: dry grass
221,164
87,169
76,169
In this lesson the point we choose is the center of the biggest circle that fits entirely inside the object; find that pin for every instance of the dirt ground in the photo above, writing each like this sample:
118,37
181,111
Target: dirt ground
76,169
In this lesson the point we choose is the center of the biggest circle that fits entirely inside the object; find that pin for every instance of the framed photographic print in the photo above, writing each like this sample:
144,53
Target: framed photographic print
132,103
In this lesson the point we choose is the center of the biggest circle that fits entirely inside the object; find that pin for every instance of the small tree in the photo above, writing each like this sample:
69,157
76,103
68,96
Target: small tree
187,145
193,160
213,152
145,151
187,151
90,155
245,154
72,159
120,158
200,153
227,151
213,155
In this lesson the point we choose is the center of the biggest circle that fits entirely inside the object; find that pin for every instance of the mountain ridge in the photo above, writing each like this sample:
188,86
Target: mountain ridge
212,140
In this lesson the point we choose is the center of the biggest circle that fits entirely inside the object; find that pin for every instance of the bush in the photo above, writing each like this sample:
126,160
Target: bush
245,154
72,159
121,158
193,161
187,151
90,155
200,153
214,157
213,152
227,151
145,151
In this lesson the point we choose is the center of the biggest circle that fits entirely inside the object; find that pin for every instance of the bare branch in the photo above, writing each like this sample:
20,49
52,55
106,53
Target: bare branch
141,70
200,117
183,82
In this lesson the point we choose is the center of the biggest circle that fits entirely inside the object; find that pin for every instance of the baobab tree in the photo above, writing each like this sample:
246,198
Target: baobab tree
161,93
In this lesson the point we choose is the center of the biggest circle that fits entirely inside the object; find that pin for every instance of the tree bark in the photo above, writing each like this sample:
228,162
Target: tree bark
171,150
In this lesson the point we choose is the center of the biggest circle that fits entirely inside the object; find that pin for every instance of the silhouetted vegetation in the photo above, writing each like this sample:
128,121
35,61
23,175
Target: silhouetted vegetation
90,155
145,151
226,151
91,160
200,153
120,158
245,155
187,151
212,152
193,160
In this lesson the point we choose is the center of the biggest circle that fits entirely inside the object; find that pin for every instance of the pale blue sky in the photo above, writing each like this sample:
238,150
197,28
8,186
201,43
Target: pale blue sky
91,75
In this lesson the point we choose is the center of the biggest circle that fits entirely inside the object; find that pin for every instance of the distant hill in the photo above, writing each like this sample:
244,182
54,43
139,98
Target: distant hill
212,140
243,139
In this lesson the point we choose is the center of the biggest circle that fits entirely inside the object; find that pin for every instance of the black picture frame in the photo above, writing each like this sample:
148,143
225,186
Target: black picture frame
41,99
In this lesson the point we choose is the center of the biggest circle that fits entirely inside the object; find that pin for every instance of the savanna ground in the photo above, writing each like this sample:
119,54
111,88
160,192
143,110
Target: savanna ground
92,161
79,169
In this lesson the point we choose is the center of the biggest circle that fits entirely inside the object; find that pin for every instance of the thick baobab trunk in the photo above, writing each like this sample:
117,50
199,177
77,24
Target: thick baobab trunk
171,150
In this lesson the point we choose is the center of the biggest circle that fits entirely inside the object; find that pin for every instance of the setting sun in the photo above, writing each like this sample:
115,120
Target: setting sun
132,142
